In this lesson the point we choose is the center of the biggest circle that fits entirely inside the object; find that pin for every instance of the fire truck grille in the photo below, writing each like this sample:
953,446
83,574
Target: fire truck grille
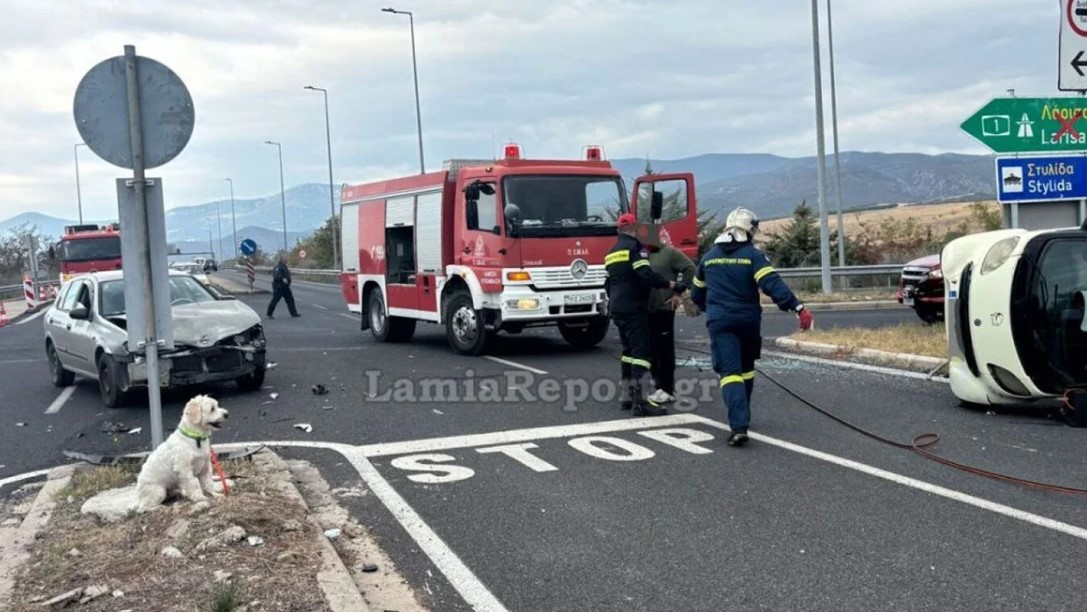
562,279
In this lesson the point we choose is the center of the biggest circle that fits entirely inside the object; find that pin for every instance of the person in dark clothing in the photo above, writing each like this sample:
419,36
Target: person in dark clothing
726,287
673,265
281,288
630,280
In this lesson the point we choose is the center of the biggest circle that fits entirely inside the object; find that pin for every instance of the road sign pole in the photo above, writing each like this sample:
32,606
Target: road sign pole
143,263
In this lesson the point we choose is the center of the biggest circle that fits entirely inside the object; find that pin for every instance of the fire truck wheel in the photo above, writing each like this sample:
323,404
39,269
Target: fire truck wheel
464,325
586,334
386,328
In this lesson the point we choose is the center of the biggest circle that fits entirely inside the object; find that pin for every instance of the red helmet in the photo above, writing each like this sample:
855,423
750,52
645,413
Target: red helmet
626,219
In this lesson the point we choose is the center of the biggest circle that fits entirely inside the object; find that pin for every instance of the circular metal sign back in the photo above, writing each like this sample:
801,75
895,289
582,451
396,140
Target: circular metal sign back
166,112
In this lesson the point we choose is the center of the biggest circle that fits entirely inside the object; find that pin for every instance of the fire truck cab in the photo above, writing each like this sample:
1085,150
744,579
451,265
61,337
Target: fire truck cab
499,245
87,248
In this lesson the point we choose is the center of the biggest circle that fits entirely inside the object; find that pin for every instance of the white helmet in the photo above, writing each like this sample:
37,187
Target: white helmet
740,226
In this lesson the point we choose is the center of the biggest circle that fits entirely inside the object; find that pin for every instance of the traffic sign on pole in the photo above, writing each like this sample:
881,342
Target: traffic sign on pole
302,254
248,247
1041,179
1031,125
1072,56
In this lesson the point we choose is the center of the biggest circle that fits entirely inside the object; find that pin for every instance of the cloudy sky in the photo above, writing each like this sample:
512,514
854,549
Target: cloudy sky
667,78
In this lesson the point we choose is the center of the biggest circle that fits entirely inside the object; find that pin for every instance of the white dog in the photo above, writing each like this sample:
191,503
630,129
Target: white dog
182,463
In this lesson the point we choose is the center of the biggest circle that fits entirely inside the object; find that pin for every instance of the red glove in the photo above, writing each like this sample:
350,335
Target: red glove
806,320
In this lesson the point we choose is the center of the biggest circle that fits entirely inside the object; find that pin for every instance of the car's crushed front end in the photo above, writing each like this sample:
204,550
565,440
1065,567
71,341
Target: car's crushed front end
213,342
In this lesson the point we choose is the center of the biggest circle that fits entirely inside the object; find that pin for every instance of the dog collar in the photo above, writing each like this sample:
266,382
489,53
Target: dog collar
195,435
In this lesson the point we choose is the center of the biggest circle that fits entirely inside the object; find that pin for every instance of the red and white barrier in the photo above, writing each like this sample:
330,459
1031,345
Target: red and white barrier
29,293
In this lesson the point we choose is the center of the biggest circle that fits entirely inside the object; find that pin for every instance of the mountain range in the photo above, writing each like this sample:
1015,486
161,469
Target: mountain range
768,184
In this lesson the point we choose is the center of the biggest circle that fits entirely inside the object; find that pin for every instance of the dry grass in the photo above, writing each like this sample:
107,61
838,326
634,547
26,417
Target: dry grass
911,338
126,556
935,215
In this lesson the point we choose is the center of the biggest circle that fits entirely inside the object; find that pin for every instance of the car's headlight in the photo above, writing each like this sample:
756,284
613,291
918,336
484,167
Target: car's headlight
937,273
998,254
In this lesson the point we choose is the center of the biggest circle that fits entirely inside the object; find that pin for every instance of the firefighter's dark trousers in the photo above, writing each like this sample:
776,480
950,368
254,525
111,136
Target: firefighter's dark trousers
634,335
282,292
736,346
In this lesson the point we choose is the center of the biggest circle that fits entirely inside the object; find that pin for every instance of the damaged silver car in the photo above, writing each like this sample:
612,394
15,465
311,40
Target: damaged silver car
216,338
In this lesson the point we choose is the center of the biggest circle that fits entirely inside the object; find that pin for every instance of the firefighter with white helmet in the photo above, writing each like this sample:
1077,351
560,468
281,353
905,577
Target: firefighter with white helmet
726,287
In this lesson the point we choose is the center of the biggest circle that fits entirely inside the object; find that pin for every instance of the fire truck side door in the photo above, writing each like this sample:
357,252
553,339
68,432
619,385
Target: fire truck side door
482,246
678,224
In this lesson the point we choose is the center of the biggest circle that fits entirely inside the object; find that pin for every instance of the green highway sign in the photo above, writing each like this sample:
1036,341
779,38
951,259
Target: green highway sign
1031,125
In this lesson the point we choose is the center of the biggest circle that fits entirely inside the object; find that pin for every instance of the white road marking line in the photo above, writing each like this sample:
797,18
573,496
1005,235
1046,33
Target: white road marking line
514,364
523,435
330,349
61,399
856,366
14,361
319,307
32,317
21,477
913,483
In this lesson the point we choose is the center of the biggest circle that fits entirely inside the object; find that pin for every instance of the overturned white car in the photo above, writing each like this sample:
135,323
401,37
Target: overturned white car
1016,330
216,338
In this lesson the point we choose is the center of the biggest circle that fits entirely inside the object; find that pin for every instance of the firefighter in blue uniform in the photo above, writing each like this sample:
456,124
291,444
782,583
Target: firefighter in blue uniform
630,281
726,287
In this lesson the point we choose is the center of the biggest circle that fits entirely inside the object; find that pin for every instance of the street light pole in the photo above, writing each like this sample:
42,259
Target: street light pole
821,170
834,123
282,192
415,70
78,189
331,195
233,219
219,221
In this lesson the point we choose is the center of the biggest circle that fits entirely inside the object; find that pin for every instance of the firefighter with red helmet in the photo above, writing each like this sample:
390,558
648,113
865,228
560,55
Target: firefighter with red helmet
726,287
630,281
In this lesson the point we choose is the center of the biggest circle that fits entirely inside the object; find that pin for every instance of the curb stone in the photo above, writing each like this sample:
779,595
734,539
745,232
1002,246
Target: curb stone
15,541
339,588
902,361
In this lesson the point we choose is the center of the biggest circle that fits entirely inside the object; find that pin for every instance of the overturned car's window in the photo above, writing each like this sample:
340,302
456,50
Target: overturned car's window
183,290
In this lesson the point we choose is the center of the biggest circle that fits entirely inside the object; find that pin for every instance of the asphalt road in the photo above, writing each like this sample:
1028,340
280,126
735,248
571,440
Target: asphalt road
514,481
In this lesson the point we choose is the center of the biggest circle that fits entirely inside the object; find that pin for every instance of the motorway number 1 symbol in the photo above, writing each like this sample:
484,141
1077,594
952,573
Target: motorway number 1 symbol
996,125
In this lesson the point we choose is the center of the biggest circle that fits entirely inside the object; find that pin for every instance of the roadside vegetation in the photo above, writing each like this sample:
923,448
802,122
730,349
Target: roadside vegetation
910,338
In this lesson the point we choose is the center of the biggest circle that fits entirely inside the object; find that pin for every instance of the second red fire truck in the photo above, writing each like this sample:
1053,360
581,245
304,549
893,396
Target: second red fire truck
499,245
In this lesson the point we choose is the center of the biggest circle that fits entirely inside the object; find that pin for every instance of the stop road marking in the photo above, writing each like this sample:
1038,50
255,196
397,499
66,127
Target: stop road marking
439,468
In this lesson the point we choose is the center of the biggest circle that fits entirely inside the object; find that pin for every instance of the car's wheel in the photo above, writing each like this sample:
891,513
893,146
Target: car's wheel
109,382
386,328
254,381
929,314
60,376
464,325
585,334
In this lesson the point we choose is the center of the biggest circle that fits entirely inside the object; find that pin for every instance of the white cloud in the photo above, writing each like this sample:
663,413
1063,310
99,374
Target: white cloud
658,77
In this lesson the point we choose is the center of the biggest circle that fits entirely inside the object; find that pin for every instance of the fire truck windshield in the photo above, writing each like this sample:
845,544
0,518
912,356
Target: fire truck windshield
89,249
569,205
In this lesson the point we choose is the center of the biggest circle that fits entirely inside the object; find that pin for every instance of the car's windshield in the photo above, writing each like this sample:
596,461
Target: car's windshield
89,249
183,290
570,205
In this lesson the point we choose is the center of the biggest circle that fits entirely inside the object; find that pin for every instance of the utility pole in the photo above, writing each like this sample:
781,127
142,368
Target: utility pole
821,170
834,124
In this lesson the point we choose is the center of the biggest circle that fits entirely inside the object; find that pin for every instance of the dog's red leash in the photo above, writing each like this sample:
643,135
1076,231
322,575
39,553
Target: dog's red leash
219,470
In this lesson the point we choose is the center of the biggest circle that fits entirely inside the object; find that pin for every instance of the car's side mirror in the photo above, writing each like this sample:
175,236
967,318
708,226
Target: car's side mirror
656,209
80,312
52,253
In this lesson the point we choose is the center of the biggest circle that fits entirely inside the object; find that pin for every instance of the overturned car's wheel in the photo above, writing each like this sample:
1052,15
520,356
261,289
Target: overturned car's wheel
110,381
585,334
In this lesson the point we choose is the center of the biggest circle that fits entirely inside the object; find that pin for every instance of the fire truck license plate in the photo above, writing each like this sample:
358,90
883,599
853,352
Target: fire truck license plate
581,298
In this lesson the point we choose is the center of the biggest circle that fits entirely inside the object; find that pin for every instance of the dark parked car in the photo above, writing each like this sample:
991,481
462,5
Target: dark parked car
922,288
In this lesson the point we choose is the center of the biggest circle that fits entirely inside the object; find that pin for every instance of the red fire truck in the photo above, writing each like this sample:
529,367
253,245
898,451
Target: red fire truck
88,248
499,245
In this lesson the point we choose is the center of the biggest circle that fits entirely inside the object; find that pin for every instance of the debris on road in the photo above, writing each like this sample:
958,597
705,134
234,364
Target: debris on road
20,424
271,365
319,389
255,541
113,428
273,395
306,427
436,411
332,534
132,432
369,568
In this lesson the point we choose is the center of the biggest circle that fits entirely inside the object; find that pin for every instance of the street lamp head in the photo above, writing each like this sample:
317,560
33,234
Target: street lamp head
388,10
274,144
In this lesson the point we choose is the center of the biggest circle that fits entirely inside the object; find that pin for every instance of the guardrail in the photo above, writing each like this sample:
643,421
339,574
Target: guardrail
15,292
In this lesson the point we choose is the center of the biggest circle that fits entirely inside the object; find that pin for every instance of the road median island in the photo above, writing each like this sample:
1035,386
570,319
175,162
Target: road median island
232,287
913,347
262,547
